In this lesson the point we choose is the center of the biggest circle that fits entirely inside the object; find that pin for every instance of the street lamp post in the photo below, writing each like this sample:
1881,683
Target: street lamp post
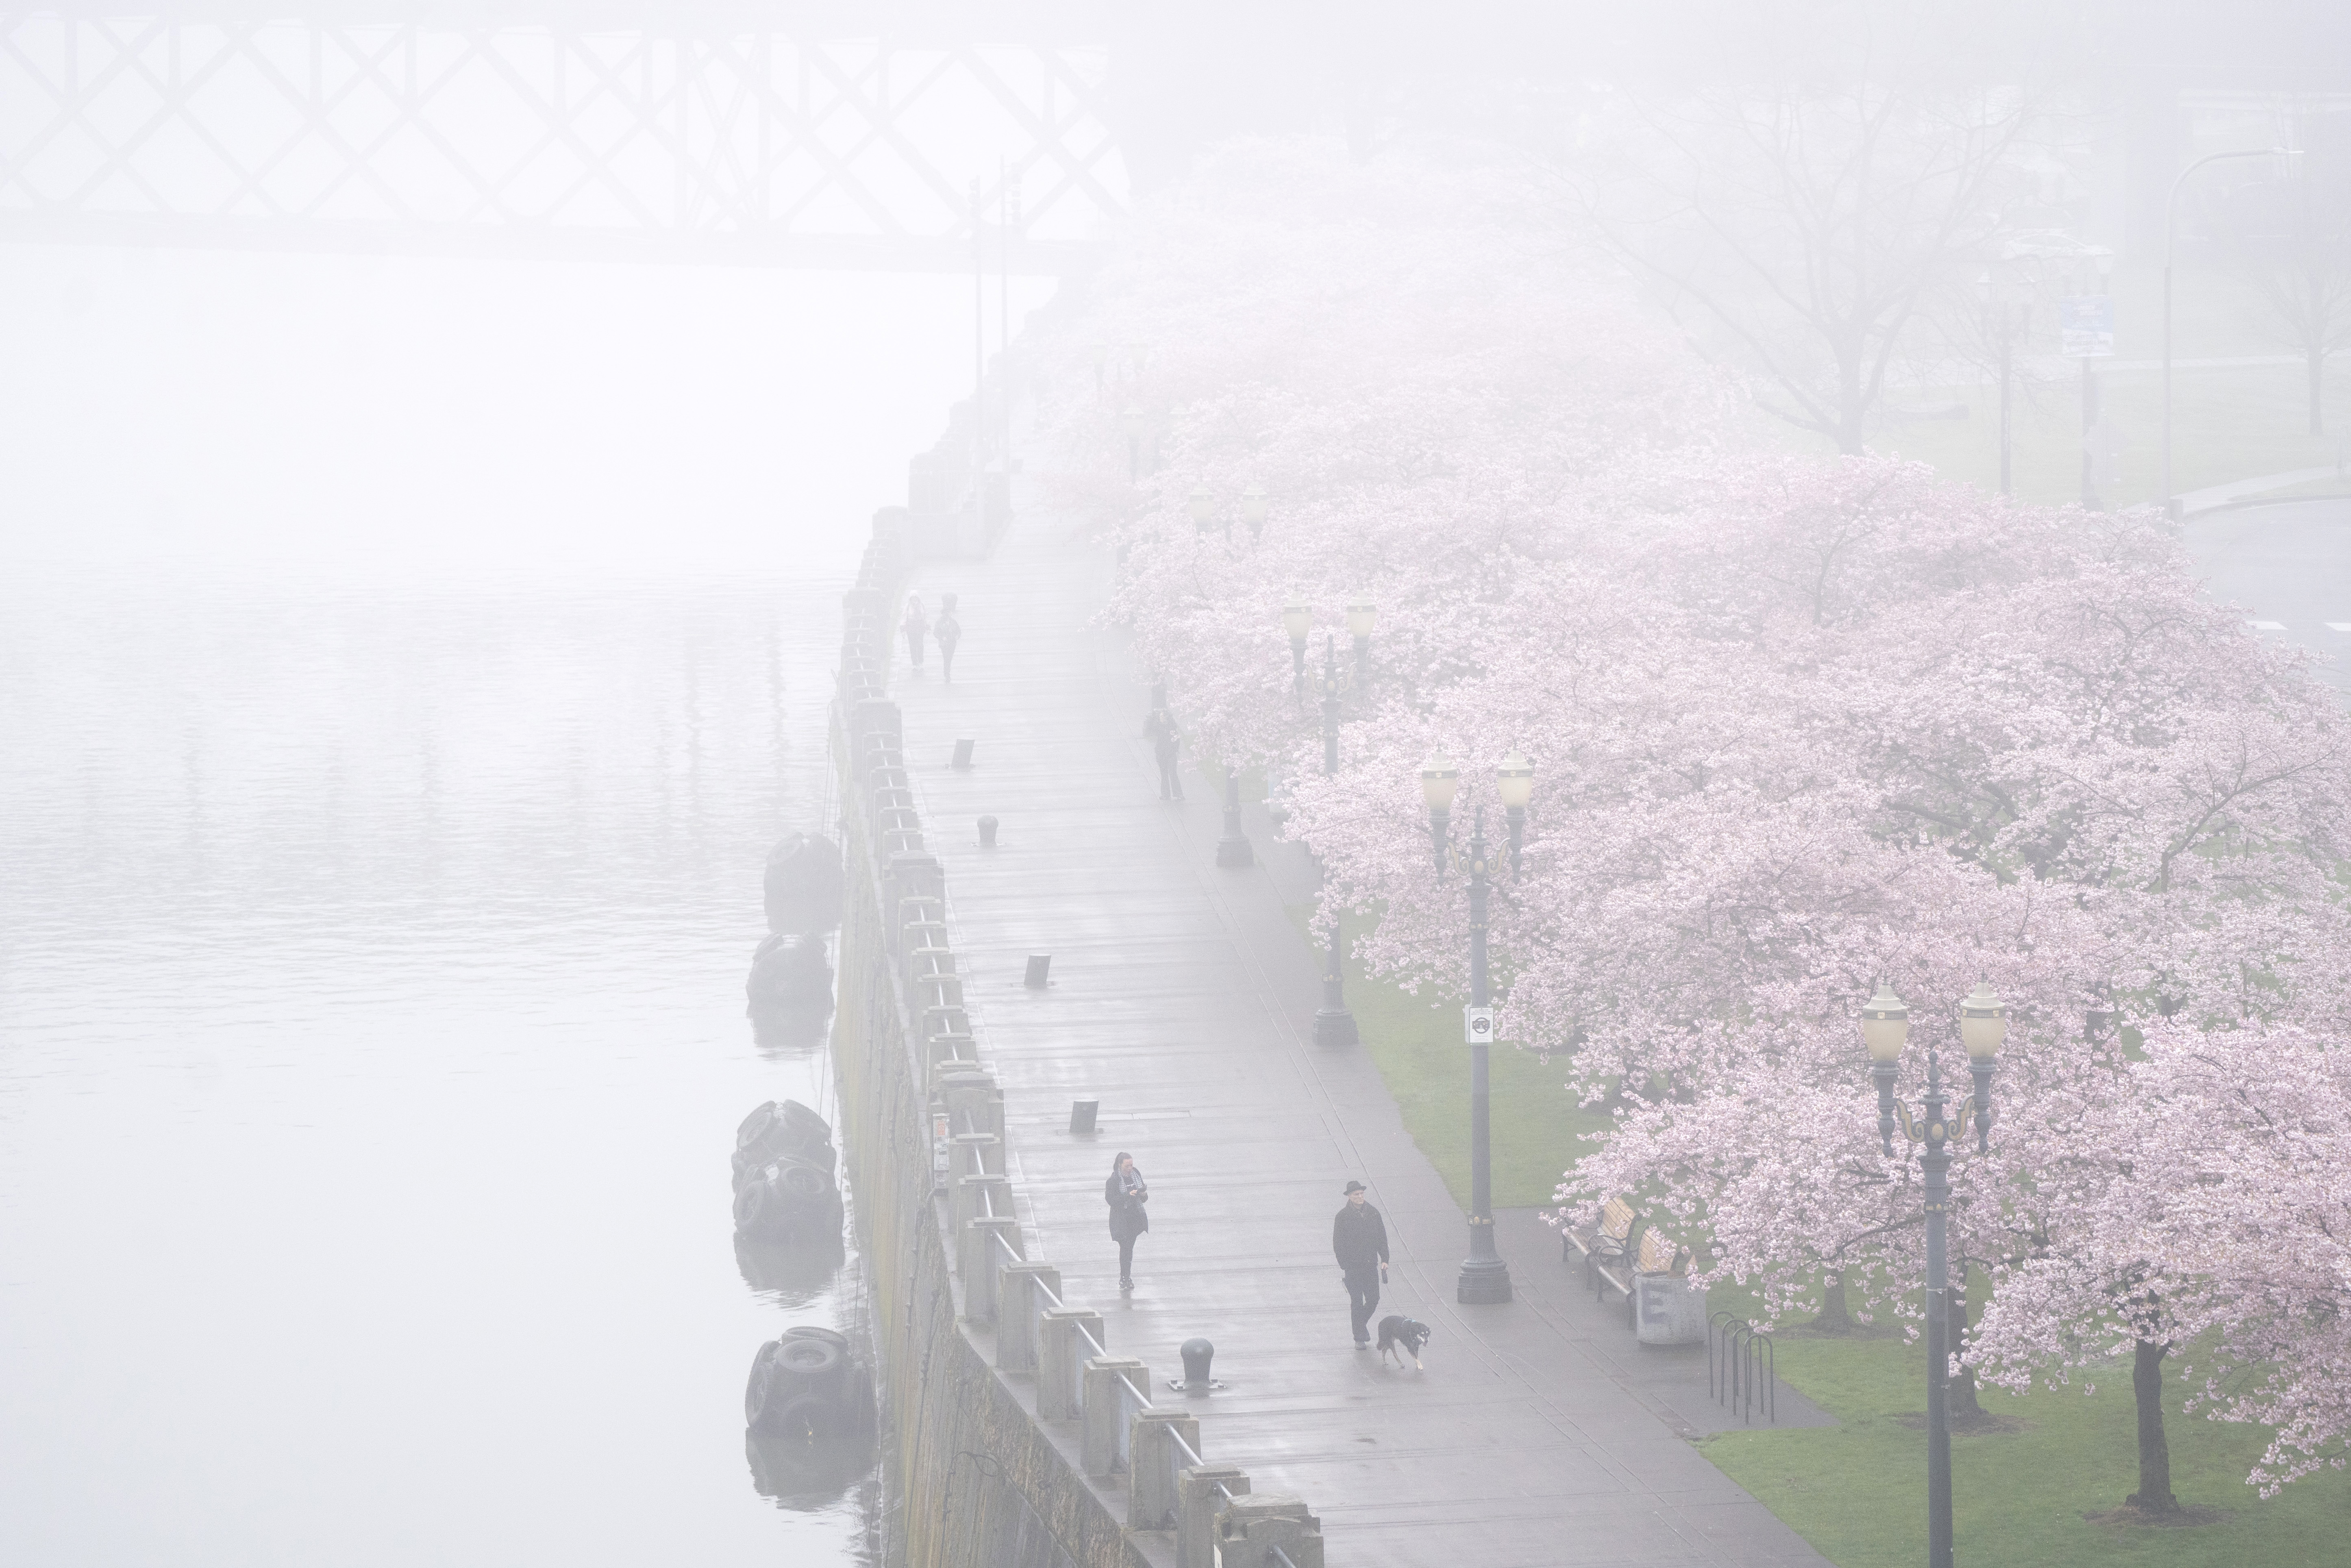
1333,1024
1999,287
1329,704
1297,620
1485,1278
2170,209
1362,614
1885,1026
1515,781
1253,511
1233,849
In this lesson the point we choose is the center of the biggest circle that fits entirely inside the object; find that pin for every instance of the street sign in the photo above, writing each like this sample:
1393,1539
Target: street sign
2085,326
1478,1026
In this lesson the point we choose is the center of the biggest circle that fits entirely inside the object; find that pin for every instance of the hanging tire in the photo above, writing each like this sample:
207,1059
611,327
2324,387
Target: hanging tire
807,1365
754,1123
801,1419
811,1331
803,1184
751,1209
756,1392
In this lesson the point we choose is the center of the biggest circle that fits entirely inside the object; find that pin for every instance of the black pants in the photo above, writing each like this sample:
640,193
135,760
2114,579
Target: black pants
914,646
946,659
1171,782
1363,1299
1126,1260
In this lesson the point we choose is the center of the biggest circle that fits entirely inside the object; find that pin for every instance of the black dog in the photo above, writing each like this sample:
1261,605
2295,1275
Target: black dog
1401,1336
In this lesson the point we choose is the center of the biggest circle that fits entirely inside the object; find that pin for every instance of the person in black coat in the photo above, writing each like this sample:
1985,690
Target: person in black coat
1165,738
1126,1194
1359,1238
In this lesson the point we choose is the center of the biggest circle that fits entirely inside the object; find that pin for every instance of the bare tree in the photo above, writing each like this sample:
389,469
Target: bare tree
2300,273
1797,221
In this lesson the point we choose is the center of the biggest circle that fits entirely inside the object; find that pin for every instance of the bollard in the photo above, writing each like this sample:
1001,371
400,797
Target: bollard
1037,964
1062,1350
1082,1116
987,833
1248,1527
1196,1354
963,756
981,1254
1109,1406
1151,1494
1198,1503
1020,1300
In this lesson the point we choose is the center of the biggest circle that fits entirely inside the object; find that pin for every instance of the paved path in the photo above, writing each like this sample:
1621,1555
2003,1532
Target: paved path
1183,997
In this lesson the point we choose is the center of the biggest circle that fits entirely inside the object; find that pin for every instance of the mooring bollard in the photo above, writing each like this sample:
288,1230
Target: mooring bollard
987,833
962,762
1196,1354
1200,1494
1082,1116
1037,964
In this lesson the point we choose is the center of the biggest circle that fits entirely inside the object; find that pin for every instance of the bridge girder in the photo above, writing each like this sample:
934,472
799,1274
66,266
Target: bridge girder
587,137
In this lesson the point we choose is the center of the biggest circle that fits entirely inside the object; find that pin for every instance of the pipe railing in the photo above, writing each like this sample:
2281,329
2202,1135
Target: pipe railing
892,822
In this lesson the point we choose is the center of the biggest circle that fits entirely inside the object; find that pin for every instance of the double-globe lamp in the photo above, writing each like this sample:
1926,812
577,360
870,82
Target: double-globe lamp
1884,1028
1484,1277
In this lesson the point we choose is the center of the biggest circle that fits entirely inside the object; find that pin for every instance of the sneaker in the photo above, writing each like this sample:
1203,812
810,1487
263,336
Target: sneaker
1362,1345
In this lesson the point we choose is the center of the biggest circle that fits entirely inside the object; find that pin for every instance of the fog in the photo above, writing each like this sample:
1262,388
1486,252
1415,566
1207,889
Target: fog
433,452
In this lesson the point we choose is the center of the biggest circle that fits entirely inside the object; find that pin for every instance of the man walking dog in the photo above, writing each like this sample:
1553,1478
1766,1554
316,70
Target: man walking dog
1359,1238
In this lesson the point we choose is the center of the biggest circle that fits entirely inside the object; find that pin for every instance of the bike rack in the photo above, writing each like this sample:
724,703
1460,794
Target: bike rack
1741,1367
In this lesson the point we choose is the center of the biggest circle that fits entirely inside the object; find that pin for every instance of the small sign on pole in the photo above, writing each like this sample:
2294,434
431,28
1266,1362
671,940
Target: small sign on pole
2085,326
1478,1026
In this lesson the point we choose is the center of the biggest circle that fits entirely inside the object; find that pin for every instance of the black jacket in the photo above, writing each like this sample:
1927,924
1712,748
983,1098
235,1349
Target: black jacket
1359,1236
1128,1218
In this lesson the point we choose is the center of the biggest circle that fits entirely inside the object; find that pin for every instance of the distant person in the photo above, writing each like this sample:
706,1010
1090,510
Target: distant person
1359,1238
913,625
1165,738
949,631
1126,1194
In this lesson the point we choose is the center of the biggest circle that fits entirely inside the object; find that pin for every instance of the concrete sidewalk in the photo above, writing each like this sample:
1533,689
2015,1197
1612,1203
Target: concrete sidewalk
1183,998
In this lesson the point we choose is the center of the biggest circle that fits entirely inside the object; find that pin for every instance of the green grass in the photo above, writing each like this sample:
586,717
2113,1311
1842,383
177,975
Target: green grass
1858,1490
1416,1042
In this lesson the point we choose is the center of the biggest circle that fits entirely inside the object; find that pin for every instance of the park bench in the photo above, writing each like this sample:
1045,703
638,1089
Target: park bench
1610,1248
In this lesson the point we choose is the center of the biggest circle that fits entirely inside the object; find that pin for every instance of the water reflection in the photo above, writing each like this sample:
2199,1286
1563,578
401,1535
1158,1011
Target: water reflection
370,1021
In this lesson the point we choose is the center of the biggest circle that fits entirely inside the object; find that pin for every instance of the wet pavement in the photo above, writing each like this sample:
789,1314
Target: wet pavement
1183,998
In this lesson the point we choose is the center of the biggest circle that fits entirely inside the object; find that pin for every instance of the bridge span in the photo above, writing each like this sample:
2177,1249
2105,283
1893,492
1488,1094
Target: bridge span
907,138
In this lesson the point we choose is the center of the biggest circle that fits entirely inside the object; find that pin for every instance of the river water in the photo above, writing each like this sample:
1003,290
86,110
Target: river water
373,922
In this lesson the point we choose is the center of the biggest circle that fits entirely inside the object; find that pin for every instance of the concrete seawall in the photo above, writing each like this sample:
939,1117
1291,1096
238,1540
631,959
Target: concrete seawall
1016,1438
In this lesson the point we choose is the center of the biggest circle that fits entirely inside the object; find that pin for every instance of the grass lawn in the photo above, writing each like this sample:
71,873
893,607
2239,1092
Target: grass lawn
1858,1491
1417,1041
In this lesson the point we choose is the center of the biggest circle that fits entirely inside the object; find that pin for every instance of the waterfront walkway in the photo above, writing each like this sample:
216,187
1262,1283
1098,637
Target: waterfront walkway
1183,997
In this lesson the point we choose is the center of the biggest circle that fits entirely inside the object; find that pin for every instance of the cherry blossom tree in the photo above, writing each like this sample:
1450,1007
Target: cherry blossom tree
1802,726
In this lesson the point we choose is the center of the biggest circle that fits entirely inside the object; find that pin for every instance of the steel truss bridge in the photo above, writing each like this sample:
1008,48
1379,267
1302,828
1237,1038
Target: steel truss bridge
691,131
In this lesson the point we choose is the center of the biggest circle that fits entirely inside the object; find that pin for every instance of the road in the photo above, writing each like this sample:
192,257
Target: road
2287,564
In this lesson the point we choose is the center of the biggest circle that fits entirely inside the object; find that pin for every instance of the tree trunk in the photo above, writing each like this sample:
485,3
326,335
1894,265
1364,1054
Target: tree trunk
2154,1494
2317,388
1834,1316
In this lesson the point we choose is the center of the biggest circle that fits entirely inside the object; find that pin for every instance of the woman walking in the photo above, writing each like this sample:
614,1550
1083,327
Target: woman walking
1126,1194
913,625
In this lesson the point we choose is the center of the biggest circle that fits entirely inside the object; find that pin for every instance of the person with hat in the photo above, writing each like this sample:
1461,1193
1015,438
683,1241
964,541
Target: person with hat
1359,1238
